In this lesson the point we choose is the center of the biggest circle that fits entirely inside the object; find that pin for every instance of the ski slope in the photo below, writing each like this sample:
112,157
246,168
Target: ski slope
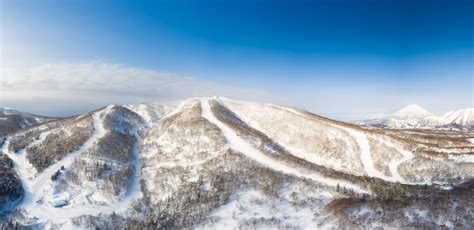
393,164
365,152
99,132
366,155
240,145
362,142
35,190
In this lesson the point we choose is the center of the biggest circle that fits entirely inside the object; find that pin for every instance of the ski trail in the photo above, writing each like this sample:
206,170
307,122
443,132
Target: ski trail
32,186
462,158
178,109
32,194
362,142
393,164
18,164
240,145
45,212
365,153
134,191
25,170
99,132
41,138
366,156
25,167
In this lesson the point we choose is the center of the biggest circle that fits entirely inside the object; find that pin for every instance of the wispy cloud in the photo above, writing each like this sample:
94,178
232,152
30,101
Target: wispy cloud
76,87
66,88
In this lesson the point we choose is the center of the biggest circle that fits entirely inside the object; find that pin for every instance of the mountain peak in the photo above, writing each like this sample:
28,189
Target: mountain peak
9,111
412,111
464,117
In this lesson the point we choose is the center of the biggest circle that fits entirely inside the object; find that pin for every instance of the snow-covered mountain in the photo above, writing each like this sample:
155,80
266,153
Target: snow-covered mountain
12,120
415,116
462,117
412,112
216,163
10,111
435,121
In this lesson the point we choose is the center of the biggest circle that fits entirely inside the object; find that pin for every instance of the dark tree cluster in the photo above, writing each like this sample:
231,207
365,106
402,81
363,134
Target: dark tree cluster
21,140
193,201
115,147
5,161
116,177
11,189
57,145
392,203
122,120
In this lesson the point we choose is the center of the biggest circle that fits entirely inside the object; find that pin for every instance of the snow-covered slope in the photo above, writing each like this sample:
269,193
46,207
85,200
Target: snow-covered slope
462,117
218,163
434,121
152,112
12,120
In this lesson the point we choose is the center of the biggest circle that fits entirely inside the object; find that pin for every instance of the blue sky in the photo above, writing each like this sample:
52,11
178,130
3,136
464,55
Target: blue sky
342,59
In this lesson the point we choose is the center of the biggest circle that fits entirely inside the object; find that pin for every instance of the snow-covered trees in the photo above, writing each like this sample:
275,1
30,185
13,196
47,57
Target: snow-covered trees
64,140
22,139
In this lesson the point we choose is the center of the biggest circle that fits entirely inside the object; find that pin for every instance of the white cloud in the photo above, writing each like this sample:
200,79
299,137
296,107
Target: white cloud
72,88
66,88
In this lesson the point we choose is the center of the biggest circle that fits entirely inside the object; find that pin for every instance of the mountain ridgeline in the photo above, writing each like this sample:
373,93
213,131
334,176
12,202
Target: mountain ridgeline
416,117
216,163
12,120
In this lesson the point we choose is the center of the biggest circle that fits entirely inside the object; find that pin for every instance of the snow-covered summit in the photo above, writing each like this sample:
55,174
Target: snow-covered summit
415,116
462,117
9,111
12,120
152,112
412,111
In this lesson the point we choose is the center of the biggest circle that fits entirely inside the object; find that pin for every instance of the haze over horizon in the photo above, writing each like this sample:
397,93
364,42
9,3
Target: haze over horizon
341,59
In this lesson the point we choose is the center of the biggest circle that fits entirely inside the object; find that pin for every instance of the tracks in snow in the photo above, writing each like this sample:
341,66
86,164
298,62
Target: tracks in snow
366,154
393,164
36,189
240,145
66,161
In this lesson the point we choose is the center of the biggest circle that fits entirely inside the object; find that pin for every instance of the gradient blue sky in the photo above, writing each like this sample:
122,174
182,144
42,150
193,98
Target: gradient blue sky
342,59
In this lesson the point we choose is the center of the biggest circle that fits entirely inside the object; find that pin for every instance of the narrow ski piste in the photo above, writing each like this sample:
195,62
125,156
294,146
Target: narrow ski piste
366,154
393,164
240,145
